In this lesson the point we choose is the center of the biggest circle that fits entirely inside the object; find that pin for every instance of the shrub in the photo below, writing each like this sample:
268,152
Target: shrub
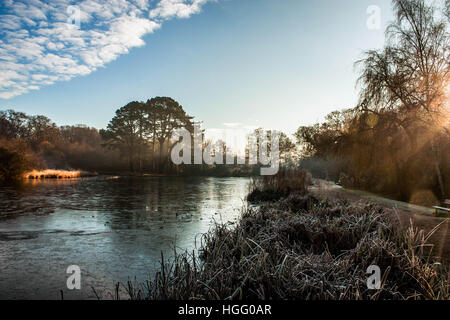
272,188
12,165
424,198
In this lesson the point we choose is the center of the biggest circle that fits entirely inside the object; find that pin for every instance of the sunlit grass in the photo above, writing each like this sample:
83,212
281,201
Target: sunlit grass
52,174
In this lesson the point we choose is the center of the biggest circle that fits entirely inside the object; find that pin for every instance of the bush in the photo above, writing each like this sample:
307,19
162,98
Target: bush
12,165
272,188
424,198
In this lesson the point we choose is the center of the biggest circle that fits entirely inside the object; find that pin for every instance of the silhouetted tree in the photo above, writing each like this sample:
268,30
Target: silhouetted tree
138,125
13,124
164,116
125,131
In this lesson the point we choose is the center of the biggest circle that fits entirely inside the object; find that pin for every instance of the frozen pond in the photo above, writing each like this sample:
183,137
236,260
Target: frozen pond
114,229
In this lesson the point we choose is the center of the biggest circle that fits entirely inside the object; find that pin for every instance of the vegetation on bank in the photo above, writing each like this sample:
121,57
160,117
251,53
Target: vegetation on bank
40,144
56,174
303,248
275,187
12,165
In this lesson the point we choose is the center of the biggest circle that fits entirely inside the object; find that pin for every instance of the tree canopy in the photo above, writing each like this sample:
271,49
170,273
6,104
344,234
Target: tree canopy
142,127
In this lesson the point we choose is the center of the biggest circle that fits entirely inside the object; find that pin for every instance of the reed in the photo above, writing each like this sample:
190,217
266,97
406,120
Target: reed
303,248
52,174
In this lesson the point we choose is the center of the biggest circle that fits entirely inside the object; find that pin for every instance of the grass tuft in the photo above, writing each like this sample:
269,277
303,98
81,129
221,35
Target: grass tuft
285,182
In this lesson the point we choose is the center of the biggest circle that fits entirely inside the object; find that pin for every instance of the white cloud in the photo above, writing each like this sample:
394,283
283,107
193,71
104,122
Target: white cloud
176,8
39,47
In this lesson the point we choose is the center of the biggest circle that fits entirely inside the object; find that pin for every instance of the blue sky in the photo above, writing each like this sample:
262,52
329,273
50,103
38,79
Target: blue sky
269,63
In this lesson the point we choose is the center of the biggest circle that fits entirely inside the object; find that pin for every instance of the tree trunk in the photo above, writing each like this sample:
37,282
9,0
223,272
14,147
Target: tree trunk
161,147
130,162
140,151
435,152
154,152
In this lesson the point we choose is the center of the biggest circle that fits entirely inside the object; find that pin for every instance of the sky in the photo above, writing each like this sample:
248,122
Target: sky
229,63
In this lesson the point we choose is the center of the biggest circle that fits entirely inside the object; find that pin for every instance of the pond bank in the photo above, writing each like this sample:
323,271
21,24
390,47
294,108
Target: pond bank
304,247
422,217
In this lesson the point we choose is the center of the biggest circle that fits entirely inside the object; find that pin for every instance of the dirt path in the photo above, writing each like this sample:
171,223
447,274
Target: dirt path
421,216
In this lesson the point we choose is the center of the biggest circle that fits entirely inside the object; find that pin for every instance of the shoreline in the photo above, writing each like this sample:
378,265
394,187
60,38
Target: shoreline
328,242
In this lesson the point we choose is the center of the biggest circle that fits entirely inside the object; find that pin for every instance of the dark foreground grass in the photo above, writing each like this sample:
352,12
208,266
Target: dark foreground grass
303,248
275,187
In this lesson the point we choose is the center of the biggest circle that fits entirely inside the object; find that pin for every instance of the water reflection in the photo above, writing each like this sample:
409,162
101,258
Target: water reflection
112,228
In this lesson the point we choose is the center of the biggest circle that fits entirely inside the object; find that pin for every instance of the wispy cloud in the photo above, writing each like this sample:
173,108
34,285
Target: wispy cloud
41,43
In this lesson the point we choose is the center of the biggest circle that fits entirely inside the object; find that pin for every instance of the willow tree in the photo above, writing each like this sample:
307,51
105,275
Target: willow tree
408,78
412,71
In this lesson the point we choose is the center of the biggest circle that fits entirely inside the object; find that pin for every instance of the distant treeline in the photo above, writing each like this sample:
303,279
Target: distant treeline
136,141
